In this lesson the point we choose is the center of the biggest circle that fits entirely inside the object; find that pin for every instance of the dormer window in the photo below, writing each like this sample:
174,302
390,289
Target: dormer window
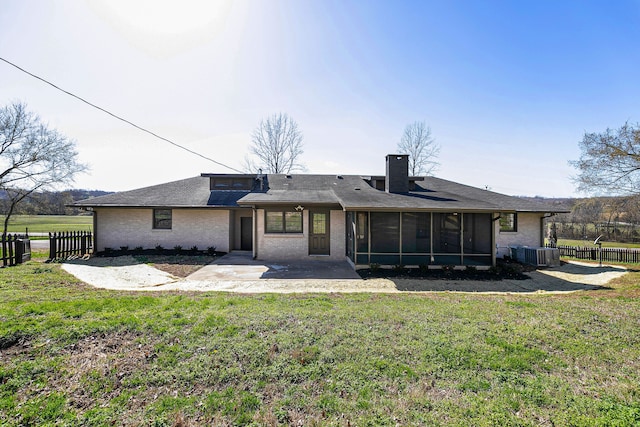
231,183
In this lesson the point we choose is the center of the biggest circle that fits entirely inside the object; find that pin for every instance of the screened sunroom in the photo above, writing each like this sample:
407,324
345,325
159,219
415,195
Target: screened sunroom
420,238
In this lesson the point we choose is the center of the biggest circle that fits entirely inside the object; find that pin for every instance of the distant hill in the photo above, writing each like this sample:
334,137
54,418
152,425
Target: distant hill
50,202
77,195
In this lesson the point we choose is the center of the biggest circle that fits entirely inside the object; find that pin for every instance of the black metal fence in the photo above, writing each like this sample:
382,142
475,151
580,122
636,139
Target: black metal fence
70,244
15,249
625,255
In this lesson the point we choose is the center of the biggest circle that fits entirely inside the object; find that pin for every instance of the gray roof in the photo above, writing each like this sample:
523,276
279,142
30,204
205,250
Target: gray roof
353,192
350,192
186,193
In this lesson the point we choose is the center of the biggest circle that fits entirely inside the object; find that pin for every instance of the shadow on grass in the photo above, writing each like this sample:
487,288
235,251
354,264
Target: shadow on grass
515,286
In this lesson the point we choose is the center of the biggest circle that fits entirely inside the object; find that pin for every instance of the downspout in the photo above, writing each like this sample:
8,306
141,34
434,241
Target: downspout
255,233
432,259
545,216
369,236
95,230
494,245
400,239
461,238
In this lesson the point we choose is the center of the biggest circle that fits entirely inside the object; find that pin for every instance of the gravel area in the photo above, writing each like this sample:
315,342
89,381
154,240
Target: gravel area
127,273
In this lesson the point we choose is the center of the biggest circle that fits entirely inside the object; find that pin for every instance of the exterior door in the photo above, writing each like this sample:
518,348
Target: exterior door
450,233
319,243
246,233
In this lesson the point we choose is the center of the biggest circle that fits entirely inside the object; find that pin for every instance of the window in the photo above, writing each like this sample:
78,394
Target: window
319,223
508,222
231,183
283,222
162,219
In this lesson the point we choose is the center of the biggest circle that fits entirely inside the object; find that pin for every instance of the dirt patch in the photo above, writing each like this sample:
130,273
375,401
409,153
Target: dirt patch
108,358
177,265
98,369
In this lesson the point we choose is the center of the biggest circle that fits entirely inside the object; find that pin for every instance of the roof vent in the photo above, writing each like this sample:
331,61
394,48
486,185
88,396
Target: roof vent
357,188
339,177
288,176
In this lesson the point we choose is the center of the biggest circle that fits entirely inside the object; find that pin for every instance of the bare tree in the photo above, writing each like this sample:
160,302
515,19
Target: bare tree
421,147
610,161
276,146
32,157
586,212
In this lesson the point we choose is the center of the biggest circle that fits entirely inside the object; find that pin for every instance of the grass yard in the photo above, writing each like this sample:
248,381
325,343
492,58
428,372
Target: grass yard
74,355
49,223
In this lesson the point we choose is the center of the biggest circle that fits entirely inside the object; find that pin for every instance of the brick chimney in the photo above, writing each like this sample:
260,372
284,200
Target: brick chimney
397,176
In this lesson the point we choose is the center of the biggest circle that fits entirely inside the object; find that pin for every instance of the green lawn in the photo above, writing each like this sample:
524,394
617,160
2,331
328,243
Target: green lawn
49,223
74,355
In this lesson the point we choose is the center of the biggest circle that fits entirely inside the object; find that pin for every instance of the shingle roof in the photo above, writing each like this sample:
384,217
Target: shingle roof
190,192
351,192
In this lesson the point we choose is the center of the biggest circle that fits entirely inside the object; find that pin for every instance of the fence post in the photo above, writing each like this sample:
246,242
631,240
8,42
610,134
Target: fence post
83,245
11,251
4,250
52,246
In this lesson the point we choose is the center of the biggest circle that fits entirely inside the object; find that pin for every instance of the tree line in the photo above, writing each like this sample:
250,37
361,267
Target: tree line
616,219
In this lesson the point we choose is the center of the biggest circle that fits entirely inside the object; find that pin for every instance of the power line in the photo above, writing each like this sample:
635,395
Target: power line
121,118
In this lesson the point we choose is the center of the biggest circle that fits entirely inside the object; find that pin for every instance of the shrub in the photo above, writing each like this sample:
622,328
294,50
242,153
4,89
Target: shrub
448,269
512,269
374,266
495,270
471,269
194,249
211,250
159,248
177,248
124,248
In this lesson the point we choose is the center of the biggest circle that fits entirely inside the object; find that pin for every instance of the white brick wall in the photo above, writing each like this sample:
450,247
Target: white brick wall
296,246
190,227
528,234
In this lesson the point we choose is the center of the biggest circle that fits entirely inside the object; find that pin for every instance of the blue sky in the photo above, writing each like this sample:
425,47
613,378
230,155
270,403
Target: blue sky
507,87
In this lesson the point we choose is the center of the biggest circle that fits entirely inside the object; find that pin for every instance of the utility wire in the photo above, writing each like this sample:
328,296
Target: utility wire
121,118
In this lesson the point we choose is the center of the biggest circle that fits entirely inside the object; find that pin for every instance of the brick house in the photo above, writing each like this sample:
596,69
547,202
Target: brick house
389,220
